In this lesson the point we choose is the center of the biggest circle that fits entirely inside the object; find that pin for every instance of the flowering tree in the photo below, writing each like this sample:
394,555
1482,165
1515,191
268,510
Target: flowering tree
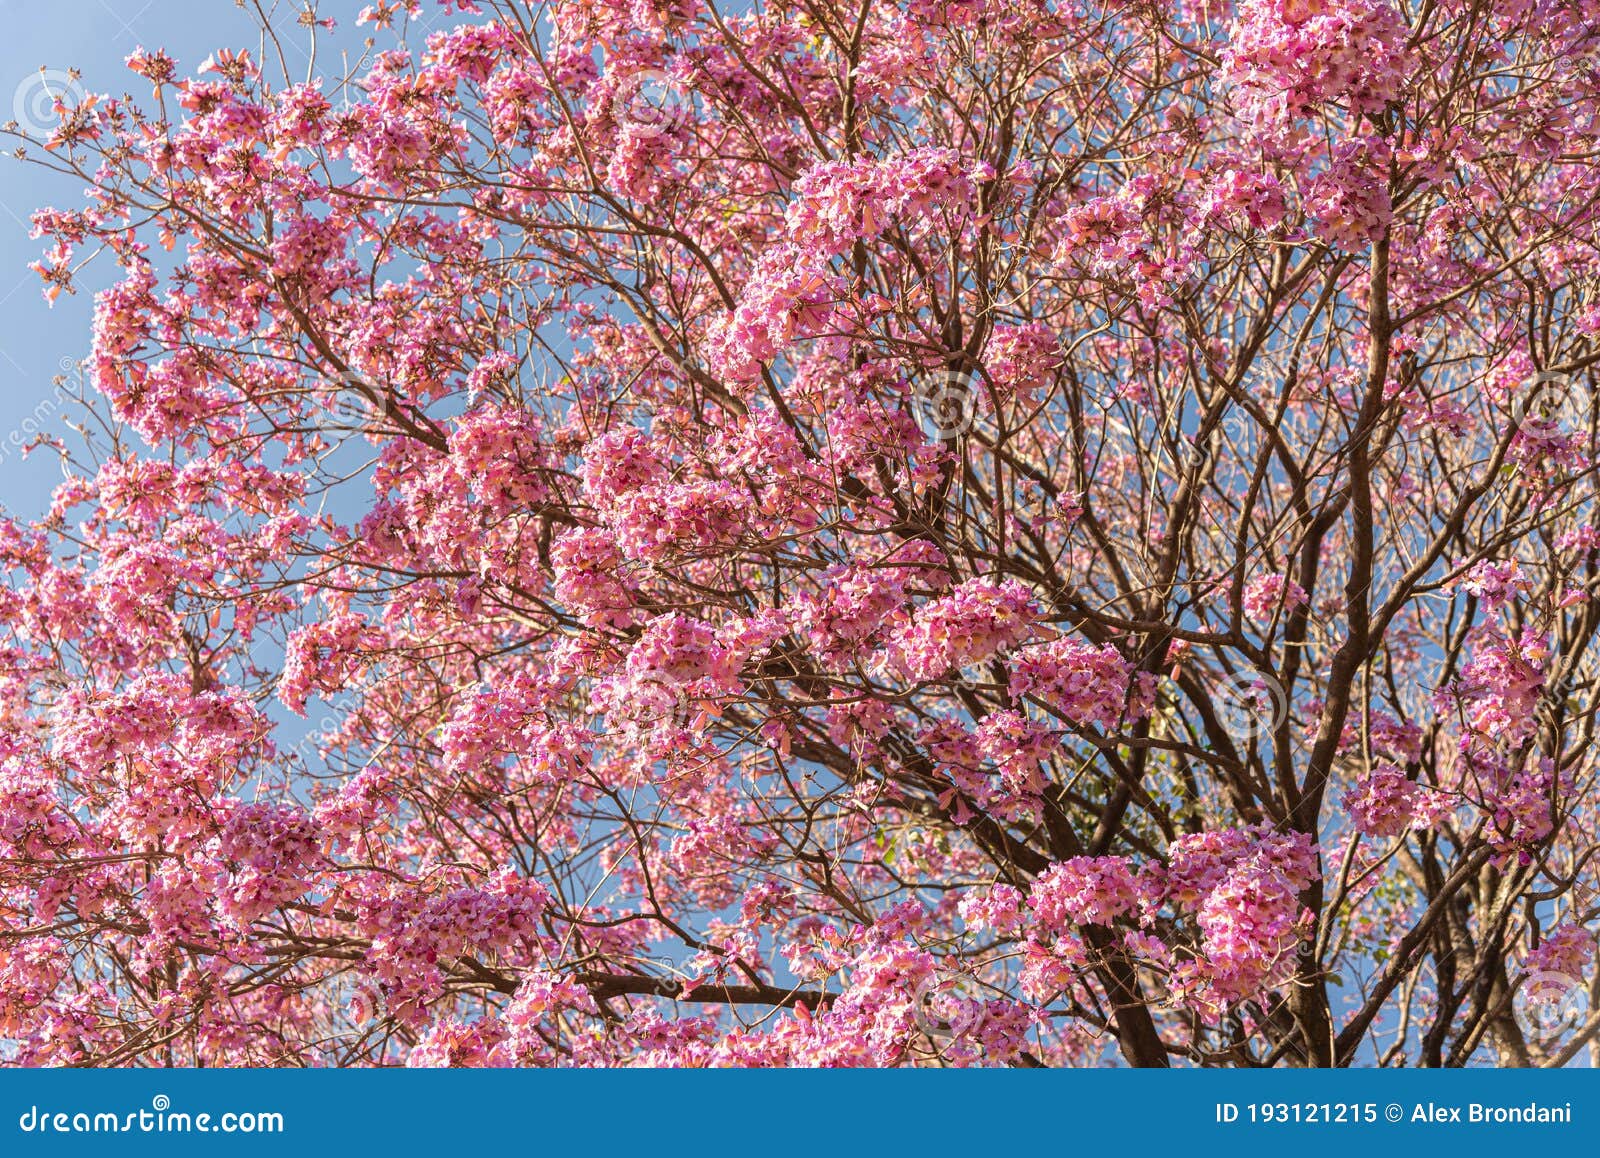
956,532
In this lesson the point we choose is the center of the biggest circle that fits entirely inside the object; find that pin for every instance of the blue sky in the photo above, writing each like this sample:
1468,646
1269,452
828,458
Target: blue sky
36,339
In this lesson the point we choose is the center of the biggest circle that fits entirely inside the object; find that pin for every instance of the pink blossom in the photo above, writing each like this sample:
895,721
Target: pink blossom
1388,803
1565,952
972,623
1266,594
1086,890
1089,685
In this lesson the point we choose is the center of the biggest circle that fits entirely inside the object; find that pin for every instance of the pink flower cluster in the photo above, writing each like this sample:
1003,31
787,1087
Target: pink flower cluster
1251,926
1289,56
415,935
269,851
1018,747
1495,583
1021,360
509,719
998,908
972,623
841,202
1086,890
1349,200
853,603
1241,887
680,650
787,296
1520,805
589,576
1265,594
453,1044
1565,952
1388,803
653,522
618,462
1500,685
326,657
1087,685
1244,195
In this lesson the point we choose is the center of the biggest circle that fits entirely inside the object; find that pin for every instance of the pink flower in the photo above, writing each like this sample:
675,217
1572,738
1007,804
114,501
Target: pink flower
1350,199
1251,925
1086,890
269,851
998,907
1560,962
1266,594
1288,56
972,623
1088,685
843,201
1496,583
1388,803
451,1044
